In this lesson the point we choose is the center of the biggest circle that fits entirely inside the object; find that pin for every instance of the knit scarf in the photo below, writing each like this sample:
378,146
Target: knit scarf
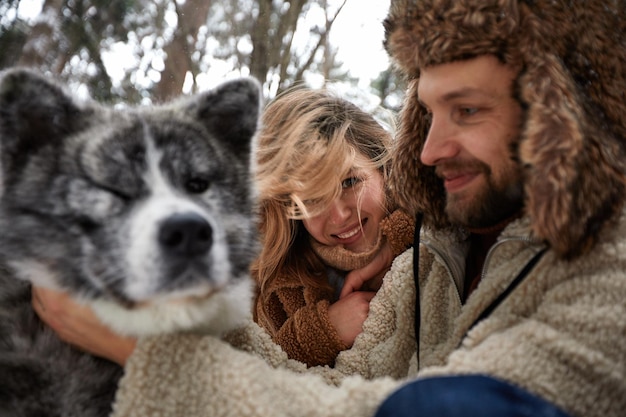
343,259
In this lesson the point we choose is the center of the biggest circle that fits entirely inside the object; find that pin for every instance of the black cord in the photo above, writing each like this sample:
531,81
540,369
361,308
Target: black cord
518,280
416,267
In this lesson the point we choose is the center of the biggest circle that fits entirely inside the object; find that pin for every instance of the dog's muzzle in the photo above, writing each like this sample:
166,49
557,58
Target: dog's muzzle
185,236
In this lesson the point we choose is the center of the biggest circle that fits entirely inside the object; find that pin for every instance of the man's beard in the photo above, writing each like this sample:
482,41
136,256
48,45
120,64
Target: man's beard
492,204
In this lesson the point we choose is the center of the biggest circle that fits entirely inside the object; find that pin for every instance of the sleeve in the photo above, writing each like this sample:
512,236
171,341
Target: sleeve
201,376
309,337
301,326
399,229
248,375
387,346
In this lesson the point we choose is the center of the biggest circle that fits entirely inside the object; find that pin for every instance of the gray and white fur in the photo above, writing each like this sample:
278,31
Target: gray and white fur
145,213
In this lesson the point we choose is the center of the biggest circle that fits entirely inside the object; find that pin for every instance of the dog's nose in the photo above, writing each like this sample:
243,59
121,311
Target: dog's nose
186,234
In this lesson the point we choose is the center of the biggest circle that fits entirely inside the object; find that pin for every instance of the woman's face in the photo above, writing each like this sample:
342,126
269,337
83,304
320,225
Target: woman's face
353,219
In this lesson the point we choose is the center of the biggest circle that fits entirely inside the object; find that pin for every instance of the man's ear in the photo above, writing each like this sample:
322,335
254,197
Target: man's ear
34,112
231,113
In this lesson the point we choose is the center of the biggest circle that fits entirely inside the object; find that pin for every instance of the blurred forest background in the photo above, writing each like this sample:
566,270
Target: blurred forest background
147,51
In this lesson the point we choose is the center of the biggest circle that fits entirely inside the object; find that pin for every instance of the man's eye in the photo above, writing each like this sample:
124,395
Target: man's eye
467,111
350,182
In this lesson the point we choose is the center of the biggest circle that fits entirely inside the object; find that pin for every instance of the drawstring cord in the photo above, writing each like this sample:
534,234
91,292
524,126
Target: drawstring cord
416,261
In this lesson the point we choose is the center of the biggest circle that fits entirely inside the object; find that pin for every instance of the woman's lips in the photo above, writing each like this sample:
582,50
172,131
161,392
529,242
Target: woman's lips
351,235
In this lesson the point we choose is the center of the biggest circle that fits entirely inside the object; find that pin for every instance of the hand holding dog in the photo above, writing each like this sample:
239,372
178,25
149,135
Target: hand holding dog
76,324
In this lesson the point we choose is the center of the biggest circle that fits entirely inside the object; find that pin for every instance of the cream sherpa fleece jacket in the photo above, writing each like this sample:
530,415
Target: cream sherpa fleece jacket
560,335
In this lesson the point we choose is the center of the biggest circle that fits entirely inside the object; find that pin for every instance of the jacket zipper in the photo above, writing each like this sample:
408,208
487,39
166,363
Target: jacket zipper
495,245
446,264
444,258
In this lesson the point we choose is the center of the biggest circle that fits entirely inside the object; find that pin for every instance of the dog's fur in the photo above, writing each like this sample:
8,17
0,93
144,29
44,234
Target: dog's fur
146,214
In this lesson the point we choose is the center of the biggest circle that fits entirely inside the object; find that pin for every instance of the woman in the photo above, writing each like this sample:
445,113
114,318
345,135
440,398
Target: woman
324,210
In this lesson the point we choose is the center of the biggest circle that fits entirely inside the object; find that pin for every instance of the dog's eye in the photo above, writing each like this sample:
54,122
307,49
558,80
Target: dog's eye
86,224
196,185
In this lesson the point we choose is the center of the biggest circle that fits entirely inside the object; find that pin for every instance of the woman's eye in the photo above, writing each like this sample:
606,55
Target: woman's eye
313,205
350,182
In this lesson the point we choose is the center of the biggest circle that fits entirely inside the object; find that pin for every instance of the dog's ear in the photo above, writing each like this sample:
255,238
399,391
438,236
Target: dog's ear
34,112
231,112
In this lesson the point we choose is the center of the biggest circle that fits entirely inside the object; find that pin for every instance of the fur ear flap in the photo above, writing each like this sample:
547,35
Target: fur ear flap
33,111
231,112
426,194
574,175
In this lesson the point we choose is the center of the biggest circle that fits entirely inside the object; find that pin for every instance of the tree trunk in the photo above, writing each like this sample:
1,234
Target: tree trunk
272,48
191,16
43,39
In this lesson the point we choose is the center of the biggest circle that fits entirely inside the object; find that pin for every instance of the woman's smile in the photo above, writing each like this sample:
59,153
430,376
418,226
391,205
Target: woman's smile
350,235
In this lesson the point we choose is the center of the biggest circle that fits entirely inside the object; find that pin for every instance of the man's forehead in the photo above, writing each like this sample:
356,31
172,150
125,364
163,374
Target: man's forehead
483,77
454,94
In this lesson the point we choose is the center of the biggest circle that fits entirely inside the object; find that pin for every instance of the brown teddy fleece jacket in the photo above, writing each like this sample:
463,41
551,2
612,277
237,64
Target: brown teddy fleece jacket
300,312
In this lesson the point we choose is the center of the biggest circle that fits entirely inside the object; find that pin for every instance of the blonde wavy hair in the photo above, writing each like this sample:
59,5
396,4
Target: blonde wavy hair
310,140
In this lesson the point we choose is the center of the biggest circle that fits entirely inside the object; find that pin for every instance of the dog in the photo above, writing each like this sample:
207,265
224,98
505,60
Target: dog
145,213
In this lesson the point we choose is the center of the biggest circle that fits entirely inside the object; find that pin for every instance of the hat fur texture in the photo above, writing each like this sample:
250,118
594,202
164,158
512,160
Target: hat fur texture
572,87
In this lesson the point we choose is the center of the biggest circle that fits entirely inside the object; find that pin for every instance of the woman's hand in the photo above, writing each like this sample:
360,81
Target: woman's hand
348,314
370,277
77,325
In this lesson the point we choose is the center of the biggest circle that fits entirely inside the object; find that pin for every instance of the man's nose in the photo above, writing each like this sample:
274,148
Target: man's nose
440,142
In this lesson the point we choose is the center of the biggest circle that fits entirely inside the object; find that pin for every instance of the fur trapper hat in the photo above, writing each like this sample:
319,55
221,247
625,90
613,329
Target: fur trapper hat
572,87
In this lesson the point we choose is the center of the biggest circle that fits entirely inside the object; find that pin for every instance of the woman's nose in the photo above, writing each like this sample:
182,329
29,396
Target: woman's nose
340,210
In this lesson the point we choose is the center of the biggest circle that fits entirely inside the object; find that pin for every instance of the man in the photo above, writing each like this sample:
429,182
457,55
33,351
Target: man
511,148
517,112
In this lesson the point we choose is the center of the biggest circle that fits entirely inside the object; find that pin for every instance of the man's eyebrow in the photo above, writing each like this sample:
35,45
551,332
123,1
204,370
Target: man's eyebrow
460,93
